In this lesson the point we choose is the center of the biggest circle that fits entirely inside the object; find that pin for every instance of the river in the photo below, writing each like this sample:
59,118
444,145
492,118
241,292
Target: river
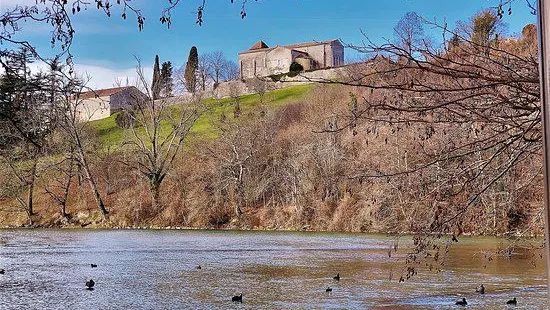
148,269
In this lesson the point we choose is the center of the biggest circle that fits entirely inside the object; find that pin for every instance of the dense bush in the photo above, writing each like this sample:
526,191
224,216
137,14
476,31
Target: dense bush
125,119
295,68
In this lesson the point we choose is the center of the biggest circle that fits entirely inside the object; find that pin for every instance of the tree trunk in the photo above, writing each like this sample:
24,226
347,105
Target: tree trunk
31,189
240,194
154,187
93,185
66,194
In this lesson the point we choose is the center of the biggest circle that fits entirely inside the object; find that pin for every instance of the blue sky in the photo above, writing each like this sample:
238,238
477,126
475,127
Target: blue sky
105,47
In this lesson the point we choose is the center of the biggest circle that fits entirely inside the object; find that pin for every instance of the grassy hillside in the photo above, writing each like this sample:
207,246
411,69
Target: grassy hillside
111,136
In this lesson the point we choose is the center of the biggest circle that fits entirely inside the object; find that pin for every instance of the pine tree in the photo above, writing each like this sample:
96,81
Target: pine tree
166,79
156,84
191,70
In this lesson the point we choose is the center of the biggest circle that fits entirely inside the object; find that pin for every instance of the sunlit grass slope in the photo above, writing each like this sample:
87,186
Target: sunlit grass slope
111,136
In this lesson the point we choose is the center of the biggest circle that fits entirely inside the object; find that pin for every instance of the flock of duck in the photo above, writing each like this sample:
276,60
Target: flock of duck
481,290
90,283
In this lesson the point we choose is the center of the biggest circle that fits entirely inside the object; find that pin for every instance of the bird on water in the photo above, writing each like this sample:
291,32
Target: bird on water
337,277
461,302
198,267
2,271
237,298
480,289
512,301
90,284
329,289
93,265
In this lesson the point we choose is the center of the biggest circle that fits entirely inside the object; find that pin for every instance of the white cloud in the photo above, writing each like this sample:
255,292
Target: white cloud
102,75
7,4
105,77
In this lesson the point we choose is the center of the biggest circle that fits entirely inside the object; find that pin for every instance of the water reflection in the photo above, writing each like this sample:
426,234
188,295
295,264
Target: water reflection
157,270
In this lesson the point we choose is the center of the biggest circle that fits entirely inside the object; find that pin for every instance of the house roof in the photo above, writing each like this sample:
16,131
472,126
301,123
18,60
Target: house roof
102,92
259,47
310,44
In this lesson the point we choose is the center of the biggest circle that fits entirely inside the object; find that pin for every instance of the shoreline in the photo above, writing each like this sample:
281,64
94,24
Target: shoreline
280,230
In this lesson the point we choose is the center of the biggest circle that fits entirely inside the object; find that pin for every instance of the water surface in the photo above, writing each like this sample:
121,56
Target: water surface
47,269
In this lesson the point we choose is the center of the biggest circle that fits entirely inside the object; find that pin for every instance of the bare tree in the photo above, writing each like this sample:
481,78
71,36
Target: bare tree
409,32
74,125
155,145
231,71
59,185
220,69
203,72
235,94
477,118
260,87
216,66
235,152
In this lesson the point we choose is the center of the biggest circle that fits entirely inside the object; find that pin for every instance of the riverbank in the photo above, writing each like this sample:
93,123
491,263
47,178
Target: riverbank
274,165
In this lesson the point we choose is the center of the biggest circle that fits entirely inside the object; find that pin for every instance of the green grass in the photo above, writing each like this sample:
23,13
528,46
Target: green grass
111,136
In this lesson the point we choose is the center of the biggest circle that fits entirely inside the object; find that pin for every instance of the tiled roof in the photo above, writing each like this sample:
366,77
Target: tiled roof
256,47
309,44
102,92
259,45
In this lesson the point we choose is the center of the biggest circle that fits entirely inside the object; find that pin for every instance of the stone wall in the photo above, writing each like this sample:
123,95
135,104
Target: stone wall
240,87
268,61
92,109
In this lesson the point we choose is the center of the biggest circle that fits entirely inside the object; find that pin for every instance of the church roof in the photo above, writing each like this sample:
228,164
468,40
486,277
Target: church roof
259,45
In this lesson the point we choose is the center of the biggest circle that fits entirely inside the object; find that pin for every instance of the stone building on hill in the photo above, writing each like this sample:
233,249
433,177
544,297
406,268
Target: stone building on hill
101,103
261,60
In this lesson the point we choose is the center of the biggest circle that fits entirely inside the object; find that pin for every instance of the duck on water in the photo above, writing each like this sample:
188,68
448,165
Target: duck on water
237,298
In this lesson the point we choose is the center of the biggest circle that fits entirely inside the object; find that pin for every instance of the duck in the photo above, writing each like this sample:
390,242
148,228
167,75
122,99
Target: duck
512,301
94,265
461,302
90,284
237,298
329,289
198,267
337,277
480,289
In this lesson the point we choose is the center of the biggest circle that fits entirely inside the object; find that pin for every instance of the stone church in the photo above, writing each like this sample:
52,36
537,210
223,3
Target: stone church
262,60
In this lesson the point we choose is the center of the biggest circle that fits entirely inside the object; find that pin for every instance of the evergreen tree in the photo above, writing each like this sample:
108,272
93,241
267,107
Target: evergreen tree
15,90
156,84
485,27
166,79
191,70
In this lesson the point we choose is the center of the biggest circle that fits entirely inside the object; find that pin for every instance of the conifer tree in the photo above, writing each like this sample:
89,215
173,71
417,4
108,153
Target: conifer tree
166,79
191,70
156,84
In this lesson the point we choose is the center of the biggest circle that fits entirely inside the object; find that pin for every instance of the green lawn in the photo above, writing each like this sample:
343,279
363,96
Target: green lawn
111,136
